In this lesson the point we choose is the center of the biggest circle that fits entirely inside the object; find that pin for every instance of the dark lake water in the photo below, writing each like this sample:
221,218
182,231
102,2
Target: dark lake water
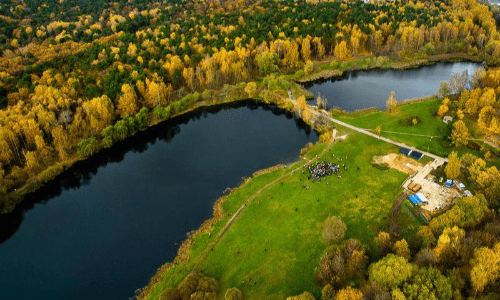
362,89
102,228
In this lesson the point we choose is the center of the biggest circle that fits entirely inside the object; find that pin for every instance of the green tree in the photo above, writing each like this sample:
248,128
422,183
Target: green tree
391,271
142,118
428,283
267,62
401,249
467,212
88,147
109,136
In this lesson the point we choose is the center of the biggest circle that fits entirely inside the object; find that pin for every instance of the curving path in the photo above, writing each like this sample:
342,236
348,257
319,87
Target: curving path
203,256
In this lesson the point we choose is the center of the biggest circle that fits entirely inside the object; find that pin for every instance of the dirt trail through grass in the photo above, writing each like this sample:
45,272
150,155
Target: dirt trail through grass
198,265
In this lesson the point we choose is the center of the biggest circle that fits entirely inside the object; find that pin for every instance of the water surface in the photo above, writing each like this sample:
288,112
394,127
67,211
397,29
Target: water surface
363,89
104,226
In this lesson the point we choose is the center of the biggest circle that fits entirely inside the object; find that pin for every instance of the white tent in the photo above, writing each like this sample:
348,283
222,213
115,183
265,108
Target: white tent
422,197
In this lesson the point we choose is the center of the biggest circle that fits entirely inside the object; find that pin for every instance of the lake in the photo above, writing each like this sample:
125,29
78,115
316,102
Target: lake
363,89
103,227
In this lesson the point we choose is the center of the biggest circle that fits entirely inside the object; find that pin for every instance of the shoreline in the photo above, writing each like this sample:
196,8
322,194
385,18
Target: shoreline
32,185
397,65
220,97
206,227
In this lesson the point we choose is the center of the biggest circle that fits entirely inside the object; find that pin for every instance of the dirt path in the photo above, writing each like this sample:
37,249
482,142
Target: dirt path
242,208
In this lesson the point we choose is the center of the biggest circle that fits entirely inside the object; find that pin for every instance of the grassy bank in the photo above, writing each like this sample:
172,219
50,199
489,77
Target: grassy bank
276,240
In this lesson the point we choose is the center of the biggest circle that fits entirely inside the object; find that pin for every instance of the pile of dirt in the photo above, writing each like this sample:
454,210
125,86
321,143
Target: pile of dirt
399,162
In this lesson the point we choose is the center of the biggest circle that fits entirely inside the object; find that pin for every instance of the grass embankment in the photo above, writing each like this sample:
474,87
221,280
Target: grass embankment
275,244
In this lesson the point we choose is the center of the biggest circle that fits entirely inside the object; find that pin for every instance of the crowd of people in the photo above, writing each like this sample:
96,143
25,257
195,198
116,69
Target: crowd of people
321,170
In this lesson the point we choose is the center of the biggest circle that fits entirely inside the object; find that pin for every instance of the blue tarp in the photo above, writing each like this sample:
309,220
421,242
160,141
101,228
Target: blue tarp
414,199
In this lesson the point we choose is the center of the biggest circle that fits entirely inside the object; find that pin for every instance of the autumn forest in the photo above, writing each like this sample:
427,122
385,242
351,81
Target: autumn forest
78,76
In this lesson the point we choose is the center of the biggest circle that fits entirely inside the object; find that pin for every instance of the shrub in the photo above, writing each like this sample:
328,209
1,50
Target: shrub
410,121
233,294
49,173
333,229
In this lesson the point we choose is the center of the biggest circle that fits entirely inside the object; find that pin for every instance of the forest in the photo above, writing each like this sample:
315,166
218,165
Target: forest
456,255
78,76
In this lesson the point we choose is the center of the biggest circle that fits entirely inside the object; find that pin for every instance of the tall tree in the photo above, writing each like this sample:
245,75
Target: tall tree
485,266
391,102
460,134
391,271
127,102
452,169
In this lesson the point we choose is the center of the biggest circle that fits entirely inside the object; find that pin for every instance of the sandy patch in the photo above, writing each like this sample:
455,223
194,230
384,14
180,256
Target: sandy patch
399,162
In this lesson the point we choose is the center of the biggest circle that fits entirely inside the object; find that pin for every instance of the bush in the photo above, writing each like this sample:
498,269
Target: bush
335,64
382,166
410,121
299,74
306,149
234,294
170,294
49,173
333,229
473,145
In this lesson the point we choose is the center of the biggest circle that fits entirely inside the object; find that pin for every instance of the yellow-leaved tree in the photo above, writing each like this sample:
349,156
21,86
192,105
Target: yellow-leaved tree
100,112
485,266
452,169
341,51
127,102
460,134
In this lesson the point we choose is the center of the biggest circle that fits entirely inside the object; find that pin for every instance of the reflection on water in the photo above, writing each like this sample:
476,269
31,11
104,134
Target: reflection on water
371,88
101,228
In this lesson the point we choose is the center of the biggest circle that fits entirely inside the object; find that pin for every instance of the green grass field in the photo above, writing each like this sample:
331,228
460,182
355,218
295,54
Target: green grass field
276,241
428,125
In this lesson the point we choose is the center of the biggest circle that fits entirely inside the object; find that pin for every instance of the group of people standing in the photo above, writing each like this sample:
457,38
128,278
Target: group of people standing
321,170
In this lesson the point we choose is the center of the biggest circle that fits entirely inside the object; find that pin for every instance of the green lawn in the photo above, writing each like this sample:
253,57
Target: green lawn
428,125
276,241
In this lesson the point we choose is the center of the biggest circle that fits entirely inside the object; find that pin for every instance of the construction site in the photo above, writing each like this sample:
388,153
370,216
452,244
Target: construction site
424,189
